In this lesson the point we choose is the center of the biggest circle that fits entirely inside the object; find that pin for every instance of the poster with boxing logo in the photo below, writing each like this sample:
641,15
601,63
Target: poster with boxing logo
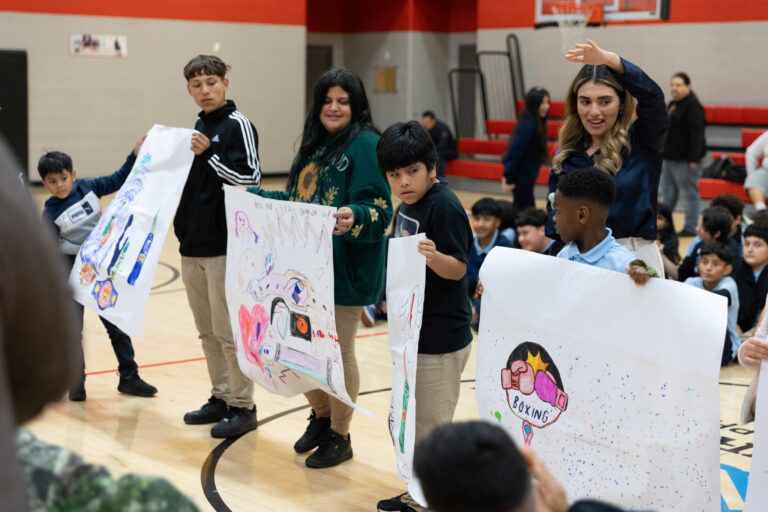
614,385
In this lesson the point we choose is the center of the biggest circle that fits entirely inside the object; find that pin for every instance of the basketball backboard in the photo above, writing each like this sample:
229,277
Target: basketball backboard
613,10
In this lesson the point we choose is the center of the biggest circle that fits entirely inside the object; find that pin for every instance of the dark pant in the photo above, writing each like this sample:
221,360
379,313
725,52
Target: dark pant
121,342
522,198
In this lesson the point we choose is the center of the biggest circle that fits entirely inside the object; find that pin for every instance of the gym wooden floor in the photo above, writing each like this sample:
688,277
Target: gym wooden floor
260,470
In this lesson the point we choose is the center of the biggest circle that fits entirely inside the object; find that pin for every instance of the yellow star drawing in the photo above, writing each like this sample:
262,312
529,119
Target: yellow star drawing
536,362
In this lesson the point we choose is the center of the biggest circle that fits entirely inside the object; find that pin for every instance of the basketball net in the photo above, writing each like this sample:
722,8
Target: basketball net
572,18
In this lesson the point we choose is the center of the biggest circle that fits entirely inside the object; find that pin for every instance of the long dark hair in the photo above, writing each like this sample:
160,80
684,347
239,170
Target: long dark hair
314,131
533,101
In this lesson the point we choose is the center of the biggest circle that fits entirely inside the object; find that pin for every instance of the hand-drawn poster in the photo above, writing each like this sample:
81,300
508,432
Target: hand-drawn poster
757,490
406,273
279,289
116,264
612,384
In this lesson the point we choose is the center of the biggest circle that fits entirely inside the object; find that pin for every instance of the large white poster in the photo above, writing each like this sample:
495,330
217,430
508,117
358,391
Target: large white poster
279,289
757,491
116,264
613,385
406,273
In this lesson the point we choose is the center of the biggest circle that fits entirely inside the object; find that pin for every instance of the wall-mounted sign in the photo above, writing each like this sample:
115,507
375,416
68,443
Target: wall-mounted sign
98,45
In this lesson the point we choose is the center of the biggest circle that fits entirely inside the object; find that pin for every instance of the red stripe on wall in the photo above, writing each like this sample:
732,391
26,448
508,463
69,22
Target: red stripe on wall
284,12
356,16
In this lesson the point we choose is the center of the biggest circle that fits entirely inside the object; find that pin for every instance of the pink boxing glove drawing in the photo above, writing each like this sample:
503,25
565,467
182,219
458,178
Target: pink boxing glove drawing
530,368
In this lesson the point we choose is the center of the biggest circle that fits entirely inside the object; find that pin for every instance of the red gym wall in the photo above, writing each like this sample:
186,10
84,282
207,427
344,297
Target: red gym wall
357,16
284,12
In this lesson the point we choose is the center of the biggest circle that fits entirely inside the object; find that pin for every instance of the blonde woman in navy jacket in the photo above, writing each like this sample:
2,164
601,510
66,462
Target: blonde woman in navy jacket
599,131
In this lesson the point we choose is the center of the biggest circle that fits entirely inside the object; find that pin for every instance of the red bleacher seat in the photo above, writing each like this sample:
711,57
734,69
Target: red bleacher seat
505,127
486,170
756,116
711,188
556,108
481,146
750,135
492,147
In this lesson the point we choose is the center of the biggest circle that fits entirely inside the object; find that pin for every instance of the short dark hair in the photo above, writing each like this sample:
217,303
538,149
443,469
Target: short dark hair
717,218
589,184
532,217
471,466
404,144
730,202
54,162
487,206
508,214
757,229
428,113
719,249
683,76
760,217
205,65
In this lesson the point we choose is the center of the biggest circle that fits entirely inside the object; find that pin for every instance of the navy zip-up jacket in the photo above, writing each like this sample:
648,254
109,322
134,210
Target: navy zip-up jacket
522,159
75,216
637,182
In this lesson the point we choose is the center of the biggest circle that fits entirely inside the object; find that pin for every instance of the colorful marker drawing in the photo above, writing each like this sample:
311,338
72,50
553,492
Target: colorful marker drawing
280,294
116,263
406,275
534,389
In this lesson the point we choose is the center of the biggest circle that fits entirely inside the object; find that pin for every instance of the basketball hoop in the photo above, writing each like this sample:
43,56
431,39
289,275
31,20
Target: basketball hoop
572,19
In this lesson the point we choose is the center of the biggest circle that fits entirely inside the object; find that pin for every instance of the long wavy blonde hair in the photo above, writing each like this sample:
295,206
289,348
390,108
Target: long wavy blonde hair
574,138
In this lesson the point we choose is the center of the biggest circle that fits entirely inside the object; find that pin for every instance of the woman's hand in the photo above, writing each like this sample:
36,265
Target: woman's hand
507,188
592,54
754,351
345,217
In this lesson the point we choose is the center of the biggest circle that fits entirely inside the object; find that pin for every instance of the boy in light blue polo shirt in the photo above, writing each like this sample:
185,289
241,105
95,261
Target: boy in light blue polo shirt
582,202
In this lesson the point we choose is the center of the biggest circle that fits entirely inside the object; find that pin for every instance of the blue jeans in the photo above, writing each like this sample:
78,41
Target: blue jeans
121,343
677,176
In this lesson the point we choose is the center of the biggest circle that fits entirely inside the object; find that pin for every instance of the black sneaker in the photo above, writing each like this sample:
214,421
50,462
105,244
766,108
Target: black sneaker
316,432
332,451
77,394
238,421
394,505
211,412
136,387
687,232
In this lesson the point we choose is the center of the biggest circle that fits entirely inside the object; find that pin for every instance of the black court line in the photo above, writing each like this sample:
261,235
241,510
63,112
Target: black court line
733,384
208,471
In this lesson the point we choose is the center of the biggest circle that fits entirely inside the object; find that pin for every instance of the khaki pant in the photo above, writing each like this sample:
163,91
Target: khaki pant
438,379
204,281
324,405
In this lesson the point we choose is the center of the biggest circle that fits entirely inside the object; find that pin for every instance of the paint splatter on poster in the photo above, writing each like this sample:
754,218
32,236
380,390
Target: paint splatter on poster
610,383
280,294
116,264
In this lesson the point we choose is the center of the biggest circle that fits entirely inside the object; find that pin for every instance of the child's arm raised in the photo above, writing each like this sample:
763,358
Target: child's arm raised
441,264
112,183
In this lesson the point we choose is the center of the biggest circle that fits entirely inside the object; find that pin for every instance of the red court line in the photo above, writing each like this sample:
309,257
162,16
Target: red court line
167,363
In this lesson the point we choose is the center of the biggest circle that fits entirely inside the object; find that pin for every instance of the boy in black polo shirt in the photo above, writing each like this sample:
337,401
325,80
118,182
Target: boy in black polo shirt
407,157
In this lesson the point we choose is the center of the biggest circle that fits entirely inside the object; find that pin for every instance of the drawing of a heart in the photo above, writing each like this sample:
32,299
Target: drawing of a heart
253,328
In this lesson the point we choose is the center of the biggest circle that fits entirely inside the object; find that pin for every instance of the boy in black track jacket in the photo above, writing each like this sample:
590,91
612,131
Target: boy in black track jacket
226,149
